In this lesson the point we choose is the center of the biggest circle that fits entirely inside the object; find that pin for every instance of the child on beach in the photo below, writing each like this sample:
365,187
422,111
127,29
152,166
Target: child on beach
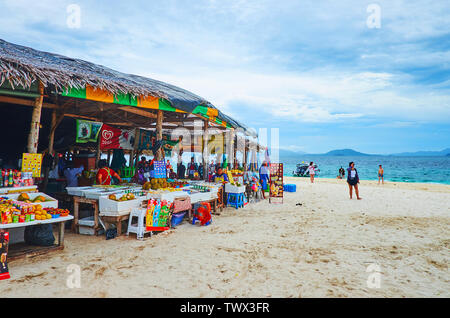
353,180
380,174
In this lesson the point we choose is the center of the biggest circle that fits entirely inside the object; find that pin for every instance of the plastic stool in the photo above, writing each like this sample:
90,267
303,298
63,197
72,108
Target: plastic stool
236,200
139,228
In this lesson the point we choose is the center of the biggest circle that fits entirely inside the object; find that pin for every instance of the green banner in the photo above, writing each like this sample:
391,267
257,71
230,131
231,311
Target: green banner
147,139
87,131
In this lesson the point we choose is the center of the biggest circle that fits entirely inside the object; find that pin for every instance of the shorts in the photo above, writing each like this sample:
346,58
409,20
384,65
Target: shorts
352,182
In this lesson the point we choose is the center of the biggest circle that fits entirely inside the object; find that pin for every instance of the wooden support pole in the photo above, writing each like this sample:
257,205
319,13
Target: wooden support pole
159,120
205,157
33,137
235,162
133,162
51,138
245,154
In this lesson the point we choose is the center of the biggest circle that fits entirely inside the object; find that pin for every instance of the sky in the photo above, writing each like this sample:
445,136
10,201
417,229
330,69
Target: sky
327,74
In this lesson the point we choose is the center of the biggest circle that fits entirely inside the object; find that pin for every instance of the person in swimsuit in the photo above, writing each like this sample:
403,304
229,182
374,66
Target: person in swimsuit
380,174
353,180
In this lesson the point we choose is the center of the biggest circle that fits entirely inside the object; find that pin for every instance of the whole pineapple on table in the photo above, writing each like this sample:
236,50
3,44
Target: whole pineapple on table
155,184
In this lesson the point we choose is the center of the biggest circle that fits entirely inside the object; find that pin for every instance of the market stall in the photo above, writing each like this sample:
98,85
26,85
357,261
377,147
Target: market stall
19,211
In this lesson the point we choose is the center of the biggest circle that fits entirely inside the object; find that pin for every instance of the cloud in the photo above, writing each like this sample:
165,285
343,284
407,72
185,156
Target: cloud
296,62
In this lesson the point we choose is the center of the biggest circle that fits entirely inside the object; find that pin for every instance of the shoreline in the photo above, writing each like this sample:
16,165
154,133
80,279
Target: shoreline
375,182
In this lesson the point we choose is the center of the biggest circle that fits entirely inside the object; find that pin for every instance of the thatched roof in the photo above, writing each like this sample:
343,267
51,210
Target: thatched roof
22,66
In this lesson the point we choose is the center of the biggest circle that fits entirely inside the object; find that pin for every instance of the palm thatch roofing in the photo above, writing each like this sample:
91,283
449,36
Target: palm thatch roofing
23,66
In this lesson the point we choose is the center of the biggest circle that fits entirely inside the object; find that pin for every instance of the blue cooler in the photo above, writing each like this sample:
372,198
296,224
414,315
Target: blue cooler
290,188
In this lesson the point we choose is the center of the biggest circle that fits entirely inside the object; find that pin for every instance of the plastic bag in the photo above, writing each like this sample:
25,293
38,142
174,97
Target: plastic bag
39,235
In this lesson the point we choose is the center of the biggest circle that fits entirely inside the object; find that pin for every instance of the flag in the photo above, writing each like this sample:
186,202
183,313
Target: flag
114,138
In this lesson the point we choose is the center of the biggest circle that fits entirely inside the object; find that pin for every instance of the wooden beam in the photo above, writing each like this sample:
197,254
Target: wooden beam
25,102
33,137
81,116
139,112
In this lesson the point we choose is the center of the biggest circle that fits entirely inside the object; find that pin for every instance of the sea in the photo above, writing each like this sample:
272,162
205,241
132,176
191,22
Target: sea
396,169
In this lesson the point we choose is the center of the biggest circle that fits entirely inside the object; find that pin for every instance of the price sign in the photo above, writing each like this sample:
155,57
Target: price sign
276,182
32,162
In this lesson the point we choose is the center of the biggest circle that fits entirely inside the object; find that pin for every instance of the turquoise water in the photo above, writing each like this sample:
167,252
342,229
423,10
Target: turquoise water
400,169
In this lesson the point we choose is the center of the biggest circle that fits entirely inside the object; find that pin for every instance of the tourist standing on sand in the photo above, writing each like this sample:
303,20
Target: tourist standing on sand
380,174
264,173
353,180
312,171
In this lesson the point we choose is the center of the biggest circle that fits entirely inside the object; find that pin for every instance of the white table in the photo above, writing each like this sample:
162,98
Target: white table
42,250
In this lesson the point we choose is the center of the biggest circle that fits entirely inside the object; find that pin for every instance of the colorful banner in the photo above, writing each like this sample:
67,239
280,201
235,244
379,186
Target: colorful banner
150,102
87,131
276,181
147,139
32,162
115,138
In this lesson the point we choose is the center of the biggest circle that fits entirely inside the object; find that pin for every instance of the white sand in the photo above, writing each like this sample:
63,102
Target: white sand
319,249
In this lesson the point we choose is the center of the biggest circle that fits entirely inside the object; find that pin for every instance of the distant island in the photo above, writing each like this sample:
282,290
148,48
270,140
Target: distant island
354,153
345,152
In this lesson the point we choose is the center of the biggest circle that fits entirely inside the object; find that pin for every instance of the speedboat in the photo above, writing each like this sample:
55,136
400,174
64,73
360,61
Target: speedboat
302,170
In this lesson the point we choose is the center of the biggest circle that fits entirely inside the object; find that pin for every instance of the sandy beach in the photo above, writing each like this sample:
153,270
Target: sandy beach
321,248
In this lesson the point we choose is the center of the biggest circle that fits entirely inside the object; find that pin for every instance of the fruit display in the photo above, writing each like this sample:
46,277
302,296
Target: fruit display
163,184
155,184
12,211
57,212
24,197
125,197
41,214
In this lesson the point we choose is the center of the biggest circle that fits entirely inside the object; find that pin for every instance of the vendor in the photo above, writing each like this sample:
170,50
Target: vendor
141,164
172,174
192,168
264,173
220,176
105,174
72,174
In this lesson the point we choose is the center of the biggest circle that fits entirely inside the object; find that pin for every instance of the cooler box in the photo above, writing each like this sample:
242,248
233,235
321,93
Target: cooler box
290,188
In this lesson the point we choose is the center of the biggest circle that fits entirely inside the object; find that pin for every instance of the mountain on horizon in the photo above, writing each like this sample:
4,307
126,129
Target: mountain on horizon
445,152
351,152
345,152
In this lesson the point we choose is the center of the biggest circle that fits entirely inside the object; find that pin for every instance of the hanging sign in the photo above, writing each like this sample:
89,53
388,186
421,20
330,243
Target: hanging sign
87,131
276,182
115,138
32,162
147,141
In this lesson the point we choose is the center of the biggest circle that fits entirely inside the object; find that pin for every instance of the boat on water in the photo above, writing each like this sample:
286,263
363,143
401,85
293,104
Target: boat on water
302,170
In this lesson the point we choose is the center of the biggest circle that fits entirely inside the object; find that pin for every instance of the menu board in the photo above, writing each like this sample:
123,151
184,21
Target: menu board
4,240
159,169
276,182
32,162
